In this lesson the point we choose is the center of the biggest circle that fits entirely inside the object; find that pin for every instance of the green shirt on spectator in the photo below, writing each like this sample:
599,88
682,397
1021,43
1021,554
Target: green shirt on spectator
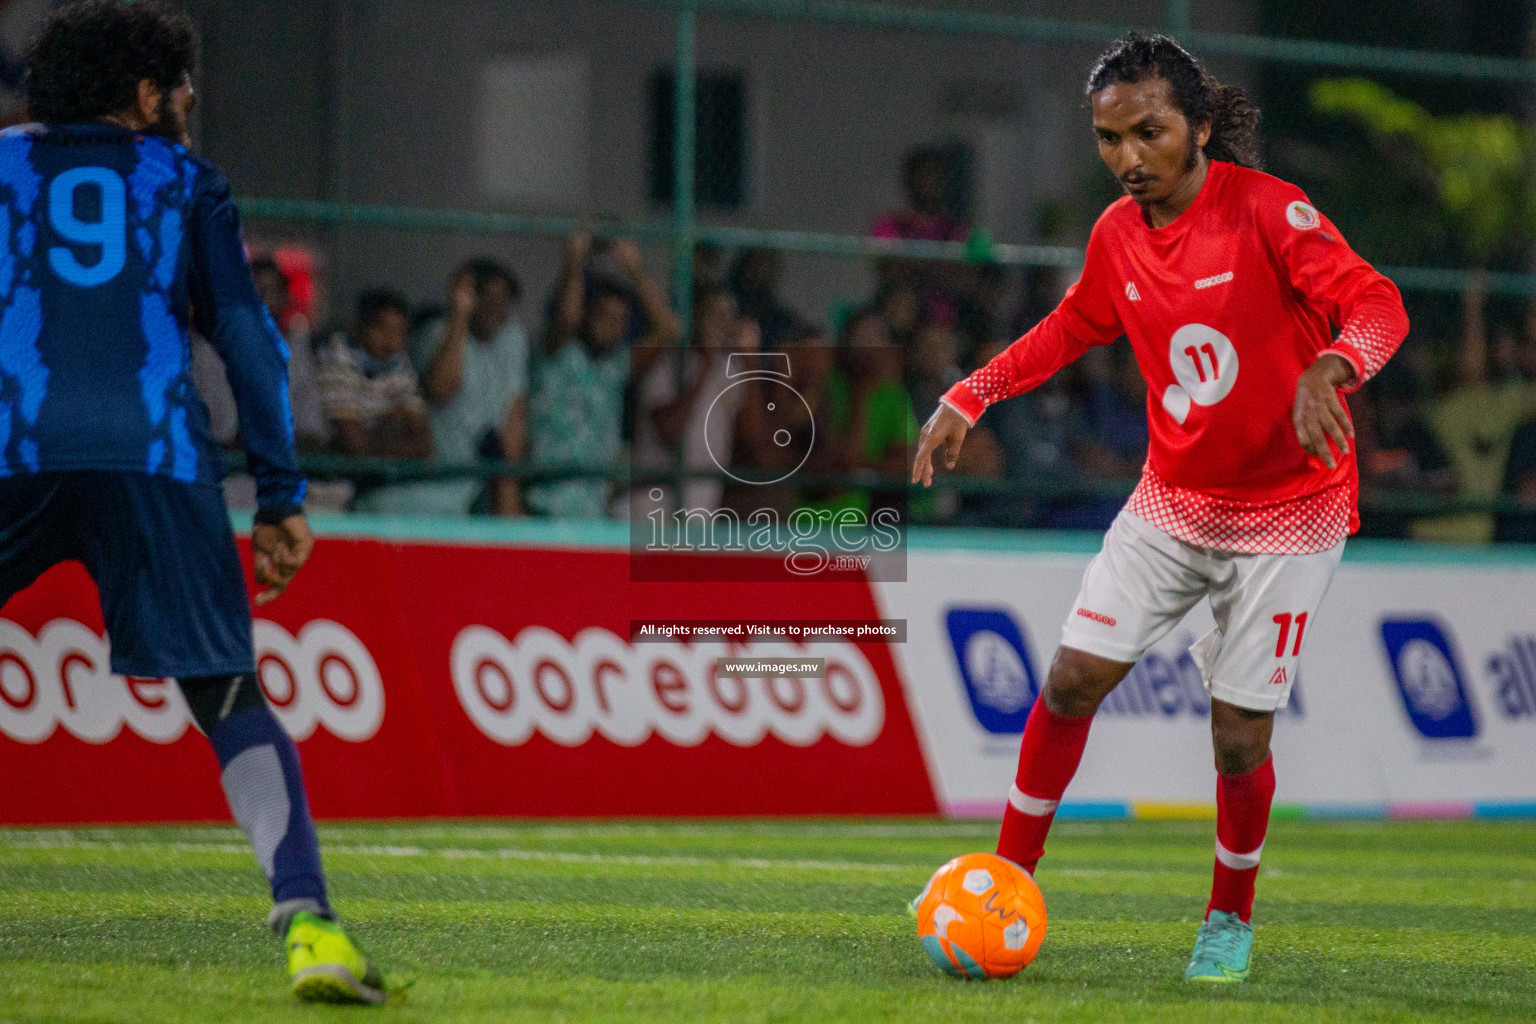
575,418
1475,424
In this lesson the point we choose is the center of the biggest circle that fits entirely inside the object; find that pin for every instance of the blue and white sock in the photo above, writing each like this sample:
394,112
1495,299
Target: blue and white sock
264,784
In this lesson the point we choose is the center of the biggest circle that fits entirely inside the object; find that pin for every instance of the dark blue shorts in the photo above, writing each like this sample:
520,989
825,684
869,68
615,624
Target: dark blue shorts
163,557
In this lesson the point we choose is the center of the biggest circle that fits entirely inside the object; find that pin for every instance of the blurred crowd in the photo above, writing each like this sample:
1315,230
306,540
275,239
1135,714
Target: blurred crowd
598,380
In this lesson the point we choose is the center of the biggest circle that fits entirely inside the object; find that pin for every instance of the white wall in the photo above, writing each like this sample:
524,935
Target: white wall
832,111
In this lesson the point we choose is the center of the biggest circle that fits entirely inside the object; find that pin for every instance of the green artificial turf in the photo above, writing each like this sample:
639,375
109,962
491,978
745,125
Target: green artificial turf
768,921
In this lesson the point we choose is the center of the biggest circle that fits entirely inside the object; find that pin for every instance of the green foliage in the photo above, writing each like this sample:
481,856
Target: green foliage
1479,162
769,921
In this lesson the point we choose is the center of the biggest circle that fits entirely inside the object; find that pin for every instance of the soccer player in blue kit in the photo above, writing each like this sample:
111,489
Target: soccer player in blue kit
114,238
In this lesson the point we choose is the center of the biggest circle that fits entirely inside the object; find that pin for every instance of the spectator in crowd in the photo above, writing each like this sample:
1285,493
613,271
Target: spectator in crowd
708,266
925,218
1520,484
870,408
1043,291
213,388
1115,413
812,434
899,305
576,410
473,366
309,426
1113,443
869,392
933,368
1397,452
1476,420
754,281
983,313
1036,433
367,387
934,362
1519,480
311,432
701,417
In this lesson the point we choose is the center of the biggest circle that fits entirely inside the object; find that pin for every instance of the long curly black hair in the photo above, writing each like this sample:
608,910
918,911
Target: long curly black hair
1233,117
91,55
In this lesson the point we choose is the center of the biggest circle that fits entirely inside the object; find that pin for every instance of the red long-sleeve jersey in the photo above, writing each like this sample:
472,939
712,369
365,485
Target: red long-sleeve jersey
1225,308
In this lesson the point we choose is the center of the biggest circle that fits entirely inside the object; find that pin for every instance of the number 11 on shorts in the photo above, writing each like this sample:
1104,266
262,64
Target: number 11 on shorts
1283,620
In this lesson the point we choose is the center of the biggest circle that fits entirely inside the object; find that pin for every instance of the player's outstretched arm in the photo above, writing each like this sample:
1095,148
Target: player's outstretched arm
946,429
281,550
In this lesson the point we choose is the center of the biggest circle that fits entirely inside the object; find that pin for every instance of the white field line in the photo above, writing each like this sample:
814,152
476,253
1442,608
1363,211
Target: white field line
614,830
774,830
549,856
556,856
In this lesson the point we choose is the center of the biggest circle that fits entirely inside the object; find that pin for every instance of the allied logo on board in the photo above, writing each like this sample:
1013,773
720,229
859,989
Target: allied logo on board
1429,680
996,665
322,678
1438,696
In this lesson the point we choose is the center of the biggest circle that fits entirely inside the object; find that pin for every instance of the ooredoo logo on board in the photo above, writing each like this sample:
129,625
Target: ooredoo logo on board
61,677
569,689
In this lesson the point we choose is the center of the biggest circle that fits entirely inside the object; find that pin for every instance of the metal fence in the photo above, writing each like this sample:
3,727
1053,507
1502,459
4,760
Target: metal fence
685,228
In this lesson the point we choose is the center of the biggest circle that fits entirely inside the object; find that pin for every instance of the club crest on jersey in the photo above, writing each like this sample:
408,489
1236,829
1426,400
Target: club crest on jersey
1303,216
1131,292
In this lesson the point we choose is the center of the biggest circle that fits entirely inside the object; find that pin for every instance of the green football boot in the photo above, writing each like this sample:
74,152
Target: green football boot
326,967
1223,950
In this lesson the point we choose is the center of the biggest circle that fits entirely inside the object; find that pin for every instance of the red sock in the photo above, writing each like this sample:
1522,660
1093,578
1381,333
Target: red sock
1242,815
1048,758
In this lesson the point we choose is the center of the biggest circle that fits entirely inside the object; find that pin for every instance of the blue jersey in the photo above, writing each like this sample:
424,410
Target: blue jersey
112,245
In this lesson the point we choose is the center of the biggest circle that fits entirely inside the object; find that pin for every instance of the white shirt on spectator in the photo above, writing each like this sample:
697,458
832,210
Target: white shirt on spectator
705,432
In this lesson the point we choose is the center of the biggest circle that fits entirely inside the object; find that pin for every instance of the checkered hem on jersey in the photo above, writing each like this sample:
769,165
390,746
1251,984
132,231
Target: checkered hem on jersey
1304,526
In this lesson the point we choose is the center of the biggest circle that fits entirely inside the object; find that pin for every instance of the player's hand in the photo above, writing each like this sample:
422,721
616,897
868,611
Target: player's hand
945,428
281,550
461,299
1319,417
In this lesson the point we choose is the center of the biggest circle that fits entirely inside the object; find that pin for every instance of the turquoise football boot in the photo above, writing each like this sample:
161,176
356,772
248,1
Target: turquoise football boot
1223,950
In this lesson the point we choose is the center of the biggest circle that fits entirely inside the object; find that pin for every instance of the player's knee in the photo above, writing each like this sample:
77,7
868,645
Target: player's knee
214,698
1240,739
1079,682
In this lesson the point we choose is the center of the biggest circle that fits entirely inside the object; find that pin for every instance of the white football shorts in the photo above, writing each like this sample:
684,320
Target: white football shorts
1144,581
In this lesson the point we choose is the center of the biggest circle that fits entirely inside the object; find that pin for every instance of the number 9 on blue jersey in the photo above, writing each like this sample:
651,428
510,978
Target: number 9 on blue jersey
110,233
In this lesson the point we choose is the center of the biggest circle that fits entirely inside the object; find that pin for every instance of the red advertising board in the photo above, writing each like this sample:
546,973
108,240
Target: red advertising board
434,679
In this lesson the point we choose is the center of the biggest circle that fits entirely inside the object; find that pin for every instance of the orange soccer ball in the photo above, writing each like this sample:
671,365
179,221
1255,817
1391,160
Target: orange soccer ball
981,916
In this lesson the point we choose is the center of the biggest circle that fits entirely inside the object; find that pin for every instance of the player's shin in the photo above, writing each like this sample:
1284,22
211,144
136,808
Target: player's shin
1242,817
1048,758
259,768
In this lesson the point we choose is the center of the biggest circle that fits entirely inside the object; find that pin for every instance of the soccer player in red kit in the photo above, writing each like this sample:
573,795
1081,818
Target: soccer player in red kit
1230,286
